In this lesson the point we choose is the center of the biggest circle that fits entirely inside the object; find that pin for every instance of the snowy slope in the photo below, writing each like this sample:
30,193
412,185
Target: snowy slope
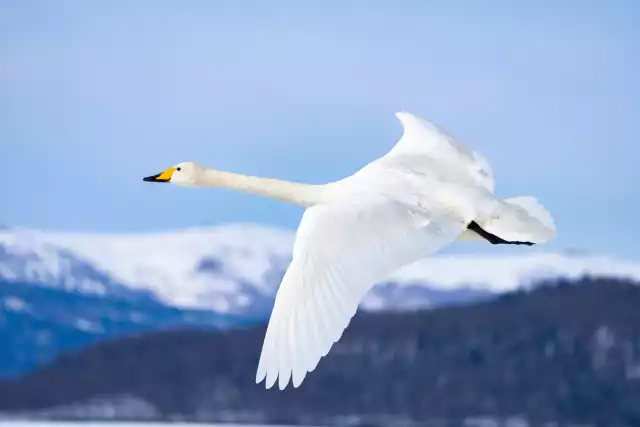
236,268
220,268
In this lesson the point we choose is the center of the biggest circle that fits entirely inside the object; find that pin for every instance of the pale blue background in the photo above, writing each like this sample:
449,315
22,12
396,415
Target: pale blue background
94,95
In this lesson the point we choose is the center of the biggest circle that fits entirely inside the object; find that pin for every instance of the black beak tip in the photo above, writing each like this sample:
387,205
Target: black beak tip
154,178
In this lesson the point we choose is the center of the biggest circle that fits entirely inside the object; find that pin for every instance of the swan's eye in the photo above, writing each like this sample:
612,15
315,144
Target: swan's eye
179,169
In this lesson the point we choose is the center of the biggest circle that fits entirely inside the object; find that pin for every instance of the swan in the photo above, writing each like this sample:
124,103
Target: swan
426,192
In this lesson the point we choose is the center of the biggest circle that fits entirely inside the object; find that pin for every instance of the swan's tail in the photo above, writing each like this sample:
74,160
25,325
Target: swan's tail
520,220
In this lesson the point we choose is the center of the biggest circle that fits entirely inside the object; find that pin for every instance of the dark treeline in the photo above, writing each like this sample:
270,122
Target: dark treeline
565,352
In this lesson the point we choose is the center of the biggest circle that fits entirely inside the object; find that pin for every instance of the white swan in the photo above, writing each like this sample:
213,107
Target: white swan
426,192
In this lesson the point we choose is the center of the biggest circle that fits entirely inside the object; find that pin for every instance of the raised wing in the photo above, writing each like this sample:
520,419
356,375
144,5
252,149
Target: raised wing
341,250
422,137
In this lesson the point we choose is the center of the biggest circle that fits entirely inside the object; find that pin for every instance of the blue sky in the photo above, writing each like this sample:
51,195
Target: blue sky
96,95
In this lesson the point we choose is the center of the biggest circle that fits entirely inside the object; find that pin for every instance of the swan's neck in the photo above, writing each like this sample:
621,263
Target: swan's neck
286,191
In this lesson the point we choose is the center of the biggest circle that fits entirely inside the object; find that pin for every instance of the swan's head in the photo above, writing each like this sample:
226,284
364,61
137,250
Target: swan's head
186,174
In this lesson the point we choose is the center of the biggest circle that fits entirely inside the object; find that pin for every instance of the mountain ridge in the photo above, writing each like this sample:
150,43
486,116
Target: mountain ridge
236,268
225,276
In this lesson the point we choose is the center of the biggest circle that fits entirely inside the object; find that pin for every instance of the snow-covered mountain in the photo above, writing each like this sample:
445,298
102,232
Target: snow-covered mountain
63,291
236,268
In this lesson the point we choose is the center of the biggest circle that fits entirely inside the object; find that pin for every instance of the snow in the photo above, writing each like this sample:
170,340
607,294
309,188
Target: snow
165,263
14,304
223,267
504,273
373,302
87,326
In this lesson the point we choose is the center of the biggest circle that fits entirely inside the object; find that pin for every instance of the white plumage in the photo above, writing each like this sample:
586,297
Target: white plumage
404,206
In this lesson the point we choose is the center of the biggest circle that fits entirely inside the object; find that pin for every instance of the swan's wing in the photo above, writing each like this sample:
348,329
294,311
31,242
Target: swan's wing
341,250
421,137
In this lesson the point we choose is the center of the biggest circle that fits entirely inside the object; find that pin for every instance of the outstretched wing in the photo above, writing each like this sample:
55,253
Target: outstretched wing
341,250
422,137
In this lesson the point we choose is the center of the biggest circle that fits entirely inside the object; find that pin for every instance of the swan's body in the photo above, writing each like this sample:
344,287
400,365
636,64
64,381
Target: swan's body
425,193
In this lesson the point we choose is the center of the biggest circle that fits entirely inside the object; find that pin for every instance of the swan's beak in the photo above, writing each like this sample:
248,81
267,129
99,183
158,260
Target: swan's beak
161,177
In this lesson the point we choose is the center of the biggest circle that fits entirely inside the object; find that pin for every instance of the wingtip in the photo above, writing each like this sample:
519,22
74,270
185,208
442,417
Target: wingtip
283,379
260,375
298,378
404,113
406,117
270,382
282,384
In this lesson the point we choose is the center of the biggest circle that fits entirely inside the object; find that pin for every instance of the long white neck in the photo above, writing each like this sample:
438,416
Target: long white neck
286,191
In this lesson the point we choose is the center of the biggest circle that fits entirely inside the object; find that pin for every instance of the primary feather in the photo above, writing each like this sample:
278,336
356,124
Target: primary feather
342,248
396,210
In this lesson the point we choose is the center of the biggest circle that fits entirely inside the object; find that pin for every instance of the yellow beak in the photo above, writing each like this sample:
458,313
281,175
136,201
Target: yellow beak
161,177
